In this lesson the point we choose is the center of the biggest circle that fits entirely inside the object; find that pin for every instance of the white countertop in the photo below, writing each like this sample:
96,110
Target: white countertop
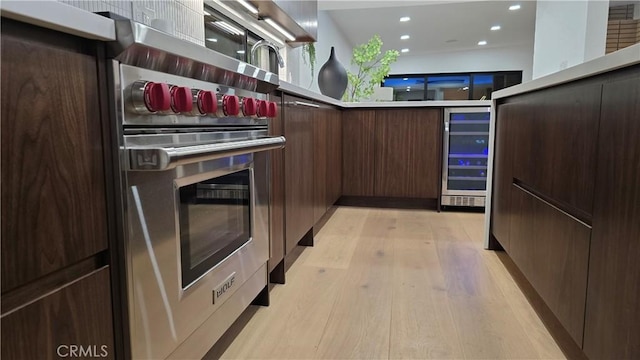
616,60
61,17
296,90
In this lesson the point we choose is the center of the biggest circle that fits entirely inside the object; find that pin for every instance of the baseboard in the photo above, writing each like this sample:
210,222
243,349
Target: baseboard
388,202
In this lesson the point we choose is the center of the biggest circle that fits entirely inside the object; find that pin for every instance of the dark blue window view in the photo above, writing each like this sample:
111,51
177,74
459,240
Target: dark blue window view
459,86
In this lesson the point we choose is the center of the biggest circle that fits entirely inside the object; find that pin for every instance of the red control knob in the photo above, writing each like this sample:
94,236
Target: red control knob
263,106
157,96
272,109
181,99
249,106
231,105
207,102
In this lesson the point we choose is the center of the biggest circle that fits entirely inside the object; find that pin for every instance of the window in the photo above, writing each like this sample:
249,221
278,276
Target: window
232,39
224,35
455,86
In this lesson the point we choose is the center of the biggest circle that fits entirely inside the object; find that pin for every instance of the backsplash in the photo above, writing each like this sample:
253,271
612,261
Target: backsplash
181,18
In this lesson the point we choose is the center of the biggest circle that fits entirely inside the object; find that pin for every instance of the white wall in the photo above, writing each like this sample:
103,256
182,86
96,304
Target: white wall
568,33
486,59
181,18
328,35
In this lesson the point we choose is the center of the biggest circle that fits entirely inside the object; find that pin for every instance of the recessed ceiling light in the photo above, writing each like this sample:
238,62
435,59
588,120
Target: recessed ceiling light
404,50
405,19
212,39
482,42
404,37
240,51
495,27
514,7
405,79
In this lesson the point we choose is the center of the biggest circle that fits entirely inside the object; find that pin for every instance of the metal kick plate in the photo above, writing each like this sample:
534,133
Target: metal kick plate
224,287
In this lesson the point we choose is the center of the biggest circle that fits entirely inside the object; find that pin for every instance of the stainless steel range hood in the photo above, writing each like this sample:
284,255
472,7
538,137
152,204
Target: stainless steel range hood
143,46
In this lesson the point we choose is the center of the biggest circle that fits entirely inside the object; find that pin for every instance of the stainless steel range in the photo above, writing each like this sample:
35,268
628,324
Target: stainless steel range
194,161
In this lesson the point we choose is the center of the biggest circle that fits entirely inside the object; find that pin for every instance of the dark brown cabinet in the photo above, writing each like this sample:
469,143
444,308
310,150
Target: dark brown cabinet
392,153
612,325
276,214
551,249
565,207
407,153
327,160
56,209
334,156
298,170
555,136
358,136
53,180
320,158
78,315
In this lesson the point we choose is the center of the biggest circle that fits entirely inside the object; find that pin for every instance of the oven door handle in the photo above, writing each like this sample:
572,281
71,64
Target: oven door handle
165,158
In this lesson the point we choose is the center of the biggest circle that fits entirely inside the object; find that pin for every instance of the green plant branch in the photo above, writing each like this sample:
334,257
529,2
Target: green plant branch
373,67
309,58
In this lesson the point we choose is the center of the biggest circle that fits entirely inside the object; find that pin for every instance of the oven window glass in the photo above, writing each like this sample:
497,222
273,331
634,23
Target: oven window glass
215,220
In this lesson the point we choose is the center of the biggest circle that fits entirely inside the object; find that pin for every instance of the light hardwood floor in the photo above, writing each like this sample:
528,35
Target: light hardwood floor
396,284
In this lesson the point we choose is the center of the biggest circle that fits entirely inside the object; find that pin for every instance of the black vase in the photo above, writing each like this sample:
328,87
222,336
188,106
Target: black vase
332,77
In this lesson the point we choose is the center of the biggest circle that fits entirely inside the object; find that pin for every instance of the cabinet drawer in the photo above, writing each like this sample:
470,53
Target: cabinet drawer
552,251
74,320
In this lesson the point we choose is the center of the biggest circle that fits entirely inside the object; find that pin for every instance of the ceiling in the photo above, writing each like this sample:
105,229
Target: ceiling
435,26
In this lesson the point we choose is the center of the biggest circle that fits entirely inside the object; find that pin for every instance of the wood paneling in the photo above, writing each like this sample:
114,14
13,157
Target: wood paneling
53,201
613,302
556,144
334,157
552,251
502,168
358,134
79,314
320,158
276,128
407,148
298,171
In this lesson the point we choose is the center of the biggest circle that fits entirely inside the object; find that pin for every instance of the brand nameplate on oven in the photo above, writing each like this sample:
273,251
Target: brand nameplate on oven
224,287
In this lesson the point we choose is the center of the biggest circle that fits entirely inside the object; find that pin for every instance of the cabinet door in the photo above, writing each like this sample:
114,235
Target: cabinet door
613,301
76,315
298,171
53,187
334,156
358,134
320,151
556,136
407,153
276,215
503,175
552,251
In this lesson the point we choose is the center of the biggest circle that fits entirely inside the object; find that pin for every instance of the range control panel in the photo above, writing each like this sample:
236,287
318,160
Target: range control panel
155,98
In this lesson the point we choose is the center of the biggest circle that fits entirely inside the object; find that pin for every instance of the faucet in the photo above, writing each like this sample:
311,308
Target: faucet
269,45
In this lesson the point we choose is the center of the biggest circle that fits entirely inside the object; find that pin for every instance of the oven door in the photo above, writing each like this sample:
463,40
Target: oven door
198,228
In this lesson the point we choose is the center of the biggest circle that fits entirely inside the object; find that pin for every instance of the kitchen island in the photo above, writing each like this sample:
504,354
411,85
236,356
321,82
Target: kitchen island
564,201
